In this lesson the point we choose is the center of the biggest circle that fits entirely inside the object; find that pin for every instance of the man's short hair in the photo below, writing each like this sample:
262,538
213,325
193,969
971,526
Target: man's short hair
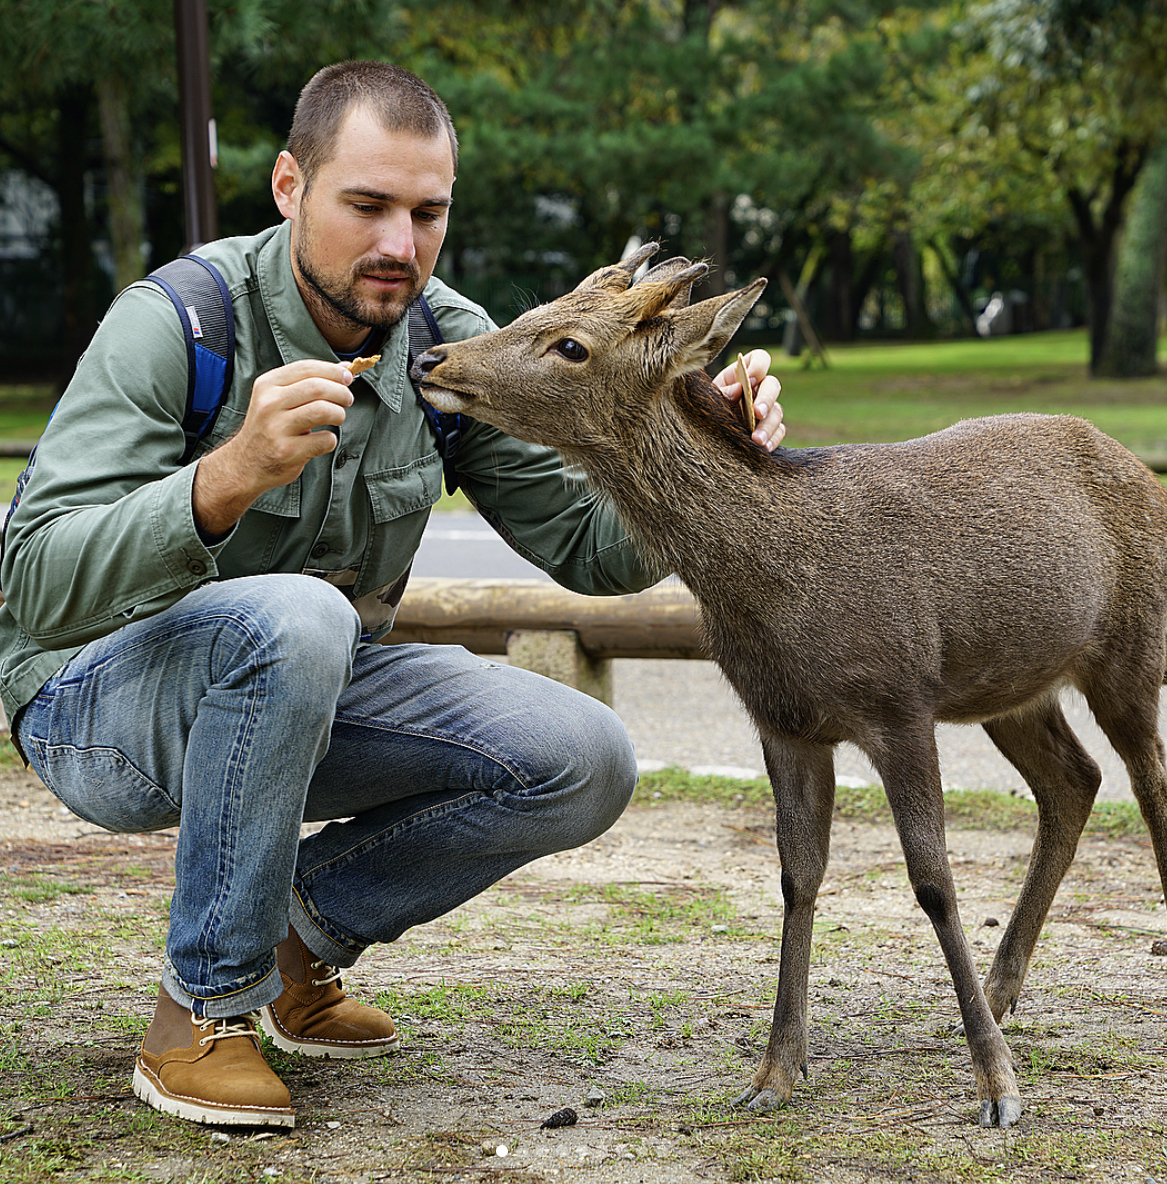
397,98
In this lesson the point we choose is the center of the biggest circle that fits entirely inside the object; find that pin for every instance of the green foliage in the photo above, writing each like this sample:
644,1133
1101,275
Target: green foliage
832,139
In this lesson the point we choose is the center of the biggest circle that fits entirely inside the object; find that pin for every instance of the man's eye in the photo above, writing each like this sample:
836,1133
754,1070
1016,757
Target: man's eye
571,350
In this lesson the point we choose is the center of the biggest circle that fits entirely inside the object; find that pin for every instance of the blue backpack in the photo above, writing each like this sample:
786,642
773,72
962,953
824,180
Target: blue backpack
200,297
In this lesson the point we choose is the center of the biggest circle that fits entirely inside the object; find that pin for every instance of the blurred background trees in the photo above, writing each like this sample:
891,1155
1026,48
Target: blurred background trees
907,171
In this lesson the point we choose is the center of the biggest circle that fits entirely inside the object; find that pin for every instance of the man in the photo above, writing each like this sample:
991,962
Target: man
196,643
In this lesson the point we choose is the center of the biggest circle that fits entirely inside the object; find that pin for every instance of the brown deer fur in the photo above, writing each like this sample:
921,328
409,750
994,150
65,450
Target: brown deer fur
863,593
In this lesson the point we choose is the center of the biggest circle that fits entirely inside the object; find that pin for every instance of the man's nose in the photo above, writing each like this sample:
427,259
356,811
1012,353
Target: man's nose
396,241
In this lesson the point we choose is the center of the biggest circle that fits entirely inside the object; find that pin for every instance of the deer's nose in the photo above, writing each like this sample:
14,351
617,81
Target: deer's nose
427,361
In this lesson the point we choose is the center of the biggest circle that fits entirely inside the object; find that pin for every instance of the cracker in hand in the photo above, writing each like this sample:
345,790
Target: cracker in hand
360,365
743,377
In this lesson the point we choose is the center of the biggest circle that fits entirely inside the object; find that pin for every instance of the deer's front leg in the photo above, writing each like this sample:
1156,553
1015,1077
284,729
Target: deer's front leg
914,791
803,778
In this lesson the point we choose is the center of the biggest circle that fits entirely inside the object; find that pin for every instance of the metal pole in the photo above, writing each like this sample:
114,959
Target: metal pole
199,148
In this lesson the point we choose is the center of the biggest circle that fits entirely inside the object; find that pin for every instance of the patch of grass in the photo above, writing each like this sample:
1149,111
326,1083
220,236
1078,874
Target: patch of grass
9,757
40,888
36,1160
458,1154
975,809
679,785
664,914
892,1138
582,1035
25,409
41,967
575,992
631,1093
453,501
447,1004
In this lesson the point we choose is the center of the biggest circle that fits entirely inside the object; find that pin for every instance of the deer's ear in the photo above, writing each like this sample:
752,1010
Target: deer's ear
669,271
652,297
705,329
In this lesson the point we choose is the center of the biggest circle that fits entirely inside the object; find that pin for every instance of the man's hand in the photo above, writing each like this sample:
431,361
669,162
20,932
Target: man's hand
766,388
277,439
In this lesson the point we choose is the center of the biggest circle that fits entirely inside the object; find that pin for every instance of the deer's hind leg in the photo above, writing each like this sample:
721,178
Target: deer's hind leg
1064,779
1127,711
803,778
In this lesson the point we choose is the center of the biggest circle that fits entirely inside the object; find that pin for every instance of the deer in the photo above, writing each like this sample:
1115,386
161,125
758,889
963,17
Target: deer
862,593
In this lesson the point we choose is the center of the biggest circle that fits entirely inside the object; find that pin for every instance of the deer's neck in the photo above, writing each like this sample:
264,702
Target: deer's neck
685,482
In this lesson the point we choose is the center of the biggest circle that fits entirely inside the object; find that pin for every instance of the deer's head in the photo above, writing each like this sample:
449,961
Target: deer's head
591,366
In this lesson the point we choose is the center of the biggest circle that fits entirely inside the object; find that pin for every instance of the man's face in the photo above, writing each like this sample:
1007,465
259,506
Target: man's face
366,233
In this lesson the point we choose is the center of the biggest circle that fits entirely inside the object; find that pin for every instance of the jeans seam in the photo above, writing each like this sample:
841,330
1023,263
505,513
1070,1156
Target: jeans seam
328,929
350,854
239,756
437,738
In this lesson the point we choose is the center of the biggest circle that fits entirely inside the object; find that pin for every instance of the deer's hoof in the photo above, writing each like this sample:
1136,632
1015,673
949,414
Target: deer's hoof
1000,1112
760,1100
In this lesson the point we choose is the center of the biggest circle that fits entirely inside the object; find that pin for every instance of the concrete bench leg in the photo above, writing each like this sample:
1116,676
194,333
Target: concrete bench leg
559,655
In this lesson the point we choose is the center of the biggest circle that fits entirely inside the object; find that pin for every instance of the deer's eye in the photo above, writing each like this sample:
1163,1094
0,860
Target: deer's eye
571,350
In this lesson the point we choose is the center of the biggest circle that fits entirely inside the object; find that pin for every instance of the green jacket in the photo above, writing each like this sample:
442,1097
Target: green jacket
105,535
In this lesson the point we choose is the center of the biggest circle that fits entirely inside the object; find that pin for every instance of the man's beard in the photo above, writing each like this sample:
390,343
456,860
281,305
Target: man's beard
337,300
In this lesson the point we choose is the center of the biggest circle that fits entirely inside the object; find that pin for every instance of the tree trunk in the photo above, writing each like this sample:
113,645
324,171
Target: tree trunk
126,215
837,319
910,278
716,246
958,289
1131,341
864,281
697,16
1097,240
78,277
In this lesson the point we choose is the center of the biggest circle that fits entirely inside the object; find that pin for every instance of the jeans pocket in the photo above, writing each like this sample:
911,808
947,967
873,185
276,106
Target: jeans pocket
102,786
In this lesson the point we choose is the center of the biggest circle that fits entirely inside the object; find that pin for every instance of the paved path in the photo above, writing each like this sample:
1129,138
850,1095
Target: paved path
683,713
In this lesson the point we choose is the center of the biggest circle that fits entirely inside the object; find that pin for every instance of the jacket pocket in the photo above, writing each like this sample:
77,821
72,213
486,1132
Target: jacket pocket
394,493
399,507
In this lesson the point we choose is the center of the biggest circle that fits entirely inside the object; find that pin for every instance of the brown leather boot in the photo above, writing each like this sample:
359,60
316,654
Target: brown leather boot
209,1071
315,1017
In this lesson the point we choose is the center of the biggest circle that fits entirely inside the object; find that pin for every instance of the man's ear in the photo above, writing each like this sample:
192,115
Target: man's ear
287,184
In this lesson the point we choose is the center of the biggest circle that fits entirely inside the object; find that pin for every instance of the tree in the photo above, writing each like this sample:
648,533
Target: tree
718,128
1132,337
1064,99
96,81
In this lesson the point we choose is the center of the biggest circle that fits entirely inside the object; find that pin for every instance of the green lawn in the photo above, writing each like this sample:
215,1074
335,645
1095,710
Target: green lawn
894,392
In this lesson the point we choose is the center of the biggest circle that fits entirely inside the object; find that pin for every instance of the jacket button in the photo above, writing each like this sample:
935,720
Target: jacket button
320,550
197,567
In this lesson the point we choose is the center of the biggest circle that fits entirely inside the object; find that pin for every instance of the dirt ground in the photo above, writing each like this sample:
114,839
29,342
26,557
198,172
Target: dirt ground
630,981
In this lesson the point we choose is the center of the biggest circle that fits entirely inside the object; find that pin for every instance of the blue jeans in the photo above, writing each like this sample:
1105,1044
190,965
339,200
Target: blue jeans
252,706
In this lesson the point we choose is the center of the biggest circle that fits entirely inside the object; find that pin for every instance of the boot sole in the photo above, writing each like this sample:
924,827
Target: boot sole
195,1110
312,1048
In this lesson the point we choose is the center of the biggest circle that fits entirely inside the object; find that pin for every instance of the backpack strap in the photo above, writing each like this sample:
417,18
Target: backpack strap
423,334
203,303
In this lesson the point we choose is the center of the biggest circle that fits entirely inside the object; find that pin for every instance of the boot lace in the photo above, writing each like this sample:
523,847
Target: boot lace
332,974
239,1025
